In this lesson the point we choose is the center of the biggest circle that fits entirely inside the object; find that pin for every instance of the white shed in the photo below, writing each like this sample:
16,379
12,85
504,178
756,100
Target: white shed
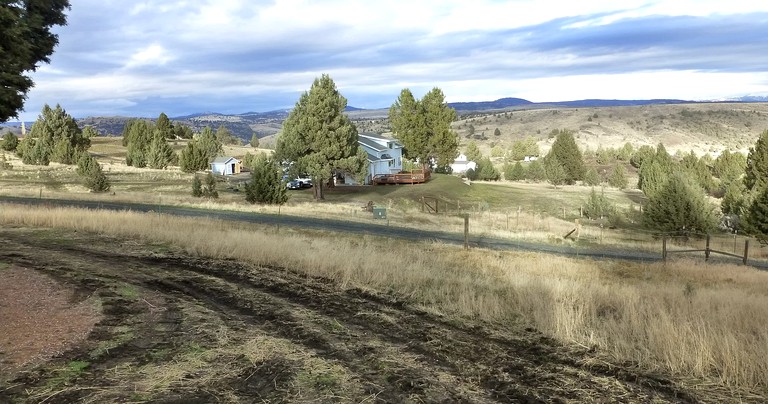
226,166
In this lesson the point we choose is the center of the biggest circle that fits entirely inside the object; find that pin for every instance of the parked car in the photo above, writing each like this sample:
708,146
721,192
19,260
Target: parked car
306,182
295,184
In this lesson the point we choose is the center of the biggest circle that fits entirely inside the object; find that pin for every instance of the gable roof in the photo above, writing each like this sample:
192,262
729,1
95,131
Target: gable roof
223,160
371,144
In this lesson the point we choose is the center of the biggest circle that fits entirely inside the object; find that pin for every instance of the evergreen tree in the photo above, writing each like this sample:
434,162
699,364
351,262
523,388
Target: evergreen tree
182,131
734,201
625,153
137,136
756,173
266,185
164,127
698,170
56,137
757,217
210,187
729,166
25,40
89,132
640,155
598,206
565,151
197,187
514,172
524,147
497,151
208,142
318,137
654,171
473,152
225,136
254,141
679,206
497,132
10,141
160,154
93,177
591,177
536,171
486,171
555,172
618,178
193,158
424,127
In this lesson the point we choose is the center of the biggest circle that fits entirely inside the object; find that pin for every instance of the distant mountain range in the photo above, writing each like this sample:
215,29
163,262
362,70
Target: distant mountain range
268,123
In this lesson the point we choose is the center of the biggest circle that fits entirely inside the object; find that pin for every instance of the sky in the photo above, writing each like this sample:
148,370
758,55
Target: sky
141,58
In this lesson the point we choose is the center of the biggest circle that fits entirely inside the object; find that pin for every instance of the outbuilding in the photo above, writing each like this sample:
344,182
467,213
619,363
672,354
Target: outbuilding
226,166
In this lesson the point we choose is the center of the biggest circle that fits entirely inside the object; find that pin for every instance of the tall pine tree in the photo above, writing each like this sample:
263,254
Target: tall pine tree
318,137
567,153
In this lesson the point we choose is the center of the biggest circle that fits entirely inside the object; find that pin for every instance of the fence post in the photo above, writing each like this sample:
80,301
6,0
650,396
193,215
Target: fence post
706,250
746,250
664,249
466,232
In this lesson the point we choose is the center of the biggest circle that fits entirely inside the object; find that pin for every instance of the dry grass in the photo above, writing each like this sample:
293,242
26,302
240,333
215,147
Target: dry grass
685,318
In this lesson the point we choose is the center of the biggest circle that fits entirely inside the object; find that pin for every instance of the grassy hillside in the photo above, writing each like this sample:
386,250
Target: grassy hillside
704,128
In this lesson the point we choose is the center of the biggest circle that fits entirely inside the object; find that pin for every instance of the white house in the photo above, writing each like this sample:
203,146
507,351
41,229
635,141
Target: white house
385,156
226,166
461,165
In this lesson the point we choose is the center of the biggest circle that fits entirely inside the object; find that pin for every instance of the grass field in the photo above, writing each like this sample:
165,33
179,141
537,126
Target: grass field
703,325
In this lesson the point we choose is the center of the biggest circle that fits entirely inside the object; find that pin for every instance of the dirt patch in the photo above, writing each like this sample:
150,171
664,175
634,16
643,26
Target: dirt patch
178,329
40,318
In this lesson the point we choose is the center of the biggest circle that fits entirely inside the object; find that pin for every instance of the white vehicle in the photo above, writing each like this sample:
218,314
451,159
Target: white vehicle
305,181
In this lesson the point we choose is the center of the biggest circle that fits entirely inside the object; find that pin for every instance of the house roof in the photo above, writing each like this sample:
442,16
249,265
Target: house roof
223,160
371,144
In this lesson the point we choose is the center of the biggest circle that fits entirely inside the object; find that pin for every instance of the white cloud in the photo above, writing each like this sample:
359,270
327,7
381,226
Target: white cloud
152,55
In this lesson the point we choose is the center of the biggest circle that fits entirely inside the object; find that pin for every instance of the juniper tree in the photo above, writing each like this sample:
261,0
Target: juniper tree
424,127
514,172
318,137
210,187
591,177
536,171
473,152
757,217
679,206
554,170
197,187
756,173
618,177
565,151
10,141
93,176
266,185
160,154
54,136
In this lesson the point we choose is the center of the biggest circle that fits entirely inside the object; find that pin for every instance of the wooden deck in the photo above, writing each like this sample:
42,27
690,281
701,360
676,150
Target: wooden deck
410,177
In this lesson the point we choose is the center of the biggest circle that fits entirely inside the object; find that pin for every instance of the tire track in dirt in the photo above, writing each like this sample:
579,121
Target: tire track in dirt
395,352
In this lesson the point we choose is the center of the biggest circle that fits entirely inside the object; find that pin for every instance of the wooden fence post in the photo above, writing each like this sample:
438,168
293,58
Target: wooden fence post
706,250
746,250
466,232
664,249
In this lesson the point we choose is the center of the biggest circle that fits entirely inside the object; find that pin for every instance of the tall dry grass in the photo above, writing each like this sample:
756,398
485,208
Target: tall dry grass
687,318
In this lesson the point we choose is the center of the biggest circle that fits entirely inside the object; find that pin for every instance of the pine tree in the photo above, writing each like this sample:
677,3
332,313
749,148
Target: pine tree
26,40
10,141
93,177
680,206
137,136
514,172
536,171
729,166
254,141
567,153
266,185
318,137
555,172
160,154
618,178
55,137
210,187
197,187
424,127
164,127
591,177
640,155
486,171
473,152
756,173
598,206
757,217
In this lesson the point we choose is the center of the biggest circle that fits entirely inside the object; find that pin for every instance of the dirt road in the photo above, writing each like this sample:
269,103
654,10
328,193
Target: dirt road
182,329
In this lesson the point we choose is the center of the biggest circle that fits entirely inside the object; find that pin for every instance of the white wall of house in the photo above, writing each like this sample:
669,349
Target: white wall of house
386,155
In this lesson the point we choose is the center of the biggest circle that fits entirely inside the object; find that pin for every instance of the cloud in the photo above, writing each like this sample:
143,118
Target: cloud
238,55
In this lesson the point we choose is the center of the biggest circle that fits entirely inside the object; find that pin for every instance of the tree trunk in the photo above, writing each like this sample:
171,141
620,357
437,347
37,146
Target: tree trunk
318,189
